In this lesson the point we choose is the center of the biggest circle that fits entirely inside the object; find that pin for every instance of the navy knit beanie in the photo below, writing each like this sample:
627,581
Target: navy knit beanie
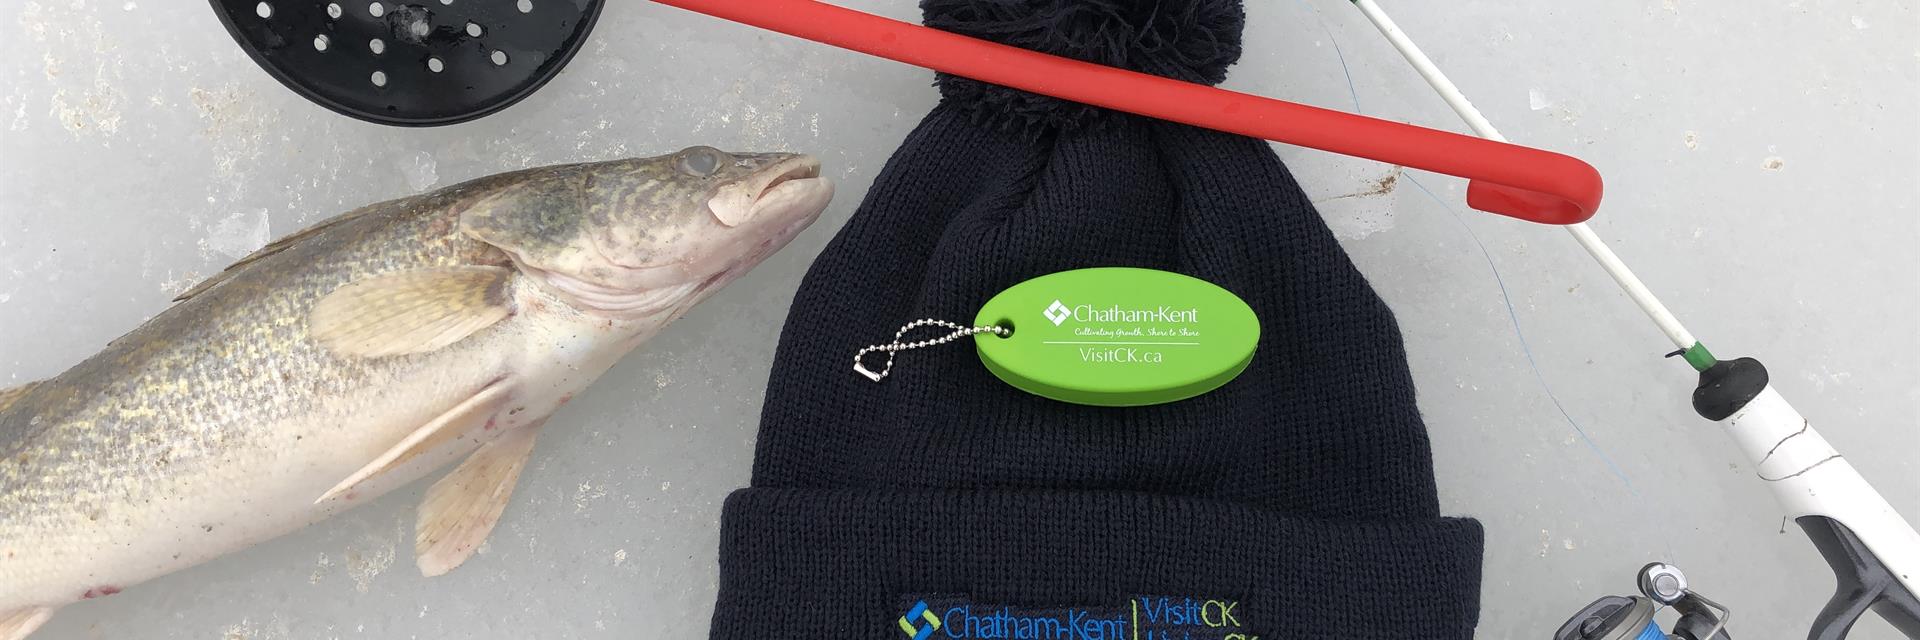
1296,501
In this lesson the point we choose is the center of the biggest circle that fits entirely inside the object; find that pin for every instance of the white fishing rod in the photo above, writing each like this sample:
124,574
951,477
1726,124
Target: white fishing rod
1874,552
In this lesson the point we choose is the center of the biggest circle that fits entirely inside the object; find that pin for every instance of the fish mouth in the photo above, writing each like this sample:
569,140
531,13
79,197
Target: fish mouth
793,198
742,203
799,168
789,197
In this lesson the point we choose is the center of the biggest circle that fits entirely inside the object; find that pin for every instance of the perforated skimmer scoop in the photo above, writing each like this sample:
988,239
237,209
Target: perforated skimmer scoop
422,63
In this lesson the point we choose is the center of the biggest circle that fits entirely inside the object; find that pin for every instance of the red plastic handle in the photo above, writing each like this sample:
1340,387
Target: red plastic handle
1522,182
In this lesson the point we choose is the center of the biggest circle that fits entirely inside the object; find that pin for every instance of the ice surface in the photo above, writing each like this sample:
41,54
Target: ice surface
140,150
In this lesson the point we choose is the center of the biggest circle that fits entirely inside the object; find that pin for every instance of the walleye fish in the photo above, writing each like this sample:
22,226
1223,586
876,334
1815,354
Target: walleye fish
358,355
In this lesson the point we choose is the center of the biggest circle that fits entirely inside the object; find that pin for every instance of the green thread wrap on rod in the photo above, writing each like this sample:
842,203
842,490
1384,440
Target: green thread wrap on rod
1698,356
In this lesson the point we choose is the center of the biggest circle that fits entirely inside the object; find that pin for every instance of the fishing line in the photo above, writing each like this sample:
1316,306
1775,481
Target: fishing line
1513,316
1506,297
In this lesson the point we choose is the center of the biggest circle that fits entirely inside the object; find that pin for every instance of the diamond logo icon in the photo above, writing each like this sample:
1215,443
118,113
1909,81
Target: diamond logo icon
909,623
1058,313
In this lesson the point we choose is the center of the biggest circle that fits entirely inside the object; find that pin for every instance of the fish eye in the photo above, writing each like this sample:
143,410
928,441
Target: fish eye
700,162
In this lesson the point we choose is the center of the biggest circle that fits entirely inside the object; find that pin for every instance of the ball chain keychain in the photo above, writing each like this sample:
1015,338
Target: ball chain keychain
894,348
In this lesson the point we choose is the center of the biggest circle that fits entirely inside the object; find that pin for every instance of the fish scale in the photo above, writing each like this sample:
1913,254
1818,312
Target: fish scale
198,382
364,353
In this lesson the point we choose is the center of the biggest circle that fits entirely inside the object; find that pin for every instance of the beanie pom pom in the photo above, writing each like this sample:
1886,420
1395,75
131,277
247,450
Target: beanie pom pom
1191,40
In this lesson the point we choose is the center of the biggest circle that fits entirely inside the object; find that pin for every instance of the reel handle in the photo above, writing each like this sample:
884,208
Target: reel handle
1631,617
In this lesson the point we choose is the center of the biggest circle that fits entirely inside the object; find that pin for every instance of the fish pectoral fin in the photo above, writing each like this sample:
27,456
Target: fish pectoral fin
453,423
19,623
13,394
414,311
461,509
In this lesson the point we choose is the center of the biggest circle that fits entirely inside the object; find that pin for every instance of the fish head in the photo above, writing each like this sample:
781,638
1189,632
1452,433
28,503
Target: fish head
636,236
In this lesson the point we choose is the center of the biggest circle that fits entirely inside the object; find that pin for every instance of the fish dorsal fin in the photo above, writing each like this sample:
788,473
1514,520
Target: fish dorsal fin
272,248
462,508
474,412
413,311
19,623
10,395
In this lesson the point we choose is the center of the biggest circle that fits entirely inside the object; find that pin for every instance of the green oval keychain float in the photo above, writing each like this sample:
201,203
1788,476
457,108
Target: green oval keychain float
1117,336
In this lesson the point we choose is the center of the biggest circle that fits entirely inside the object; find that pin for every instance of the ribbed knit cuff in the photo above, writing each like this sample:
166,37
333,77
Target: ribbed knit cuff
1058,565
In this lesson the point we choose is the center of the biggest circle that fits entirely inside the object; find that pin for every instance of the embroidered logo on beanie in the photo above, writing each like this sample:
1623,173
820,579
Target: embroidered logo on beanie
1138,618
919,612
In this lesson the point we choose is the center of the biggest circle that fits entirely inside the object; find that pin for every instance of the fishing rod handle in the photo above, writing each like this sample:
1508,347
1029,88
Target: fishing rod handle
1874,552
